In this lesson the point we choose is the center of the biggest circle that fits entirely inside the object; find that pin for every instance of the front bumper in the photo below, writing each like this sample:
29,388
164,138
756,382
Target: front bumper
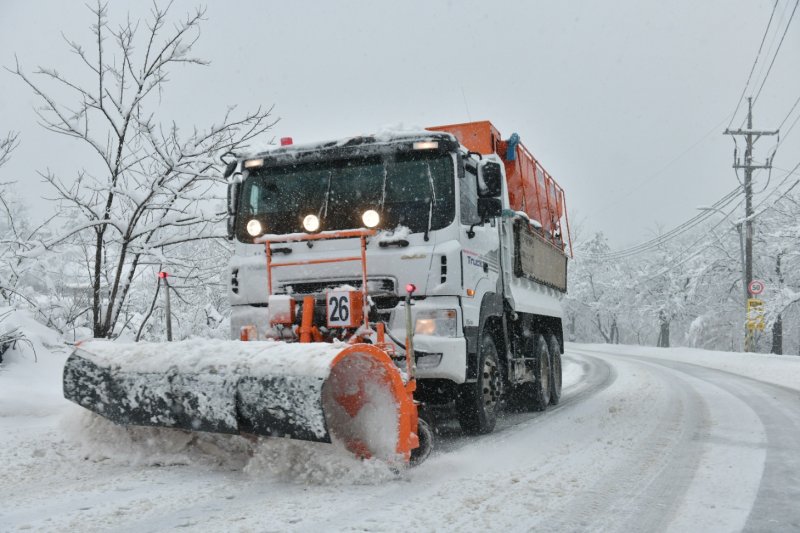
441,358
437,357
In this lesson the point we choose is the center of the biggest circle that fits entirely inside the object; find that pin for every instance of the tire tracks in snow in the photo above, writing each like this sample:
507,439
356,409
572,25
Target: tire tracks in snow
452,491
747,476
775,507
650,468
596,375
423,497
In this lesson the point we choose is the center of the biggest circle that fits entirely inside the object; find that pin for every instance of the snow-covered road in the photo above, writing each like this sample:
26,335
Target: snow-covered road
644,440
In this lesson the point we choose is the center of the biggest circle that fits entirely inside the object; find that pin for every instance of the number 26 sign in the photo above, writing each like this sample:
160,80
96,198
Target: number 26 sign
345,309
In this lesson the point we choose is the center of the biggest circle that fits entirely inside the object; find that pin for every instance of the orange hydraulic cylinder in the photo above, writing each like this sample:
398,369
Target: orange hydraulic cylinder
307,325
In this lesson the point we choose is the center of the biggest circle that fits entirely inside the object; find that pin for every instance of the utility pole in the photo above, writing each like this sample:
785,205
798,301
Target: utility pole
751,136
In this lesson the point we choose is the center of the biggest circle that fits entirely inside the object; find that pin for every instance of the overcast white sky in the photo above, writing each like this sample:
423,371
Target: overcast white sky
624,102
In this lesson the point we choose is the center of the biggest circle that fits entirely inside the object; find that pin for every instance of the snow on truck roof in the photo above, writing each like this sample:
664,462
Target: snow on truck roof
382,137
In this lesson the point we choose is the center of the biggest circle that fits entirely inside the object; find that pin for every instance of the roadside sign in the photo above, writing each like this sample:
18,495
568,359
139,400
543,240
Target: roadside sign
756,287
755,314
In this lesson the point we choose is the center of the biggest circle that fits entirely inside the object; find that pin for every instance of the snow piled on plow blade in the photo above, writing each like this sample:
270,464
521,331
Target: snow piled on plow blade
337,393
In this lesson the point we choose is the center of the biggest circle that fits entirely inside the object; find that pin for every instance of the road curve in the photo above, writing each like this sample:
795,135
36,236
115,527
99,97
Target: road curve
744,439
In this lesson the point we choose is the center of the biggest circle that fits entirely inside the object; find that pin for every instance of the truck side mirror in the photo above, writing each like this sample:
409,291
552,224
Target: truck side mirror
233,197
229,168
233,206
489,179
231,227
489,208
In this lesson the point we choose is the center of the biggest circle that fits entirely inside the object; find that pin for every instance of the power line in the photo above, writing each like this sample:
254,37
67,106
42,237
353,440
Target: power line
755,62
657,173
676,231
784,193
778,22
775,56
665,237
695,243
782,138
789,130
789,113
725,217
693,222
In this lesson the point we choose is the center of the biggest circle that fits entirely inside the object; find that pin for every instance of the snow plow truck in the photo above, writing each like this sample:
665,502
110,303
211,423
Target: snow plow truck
369,275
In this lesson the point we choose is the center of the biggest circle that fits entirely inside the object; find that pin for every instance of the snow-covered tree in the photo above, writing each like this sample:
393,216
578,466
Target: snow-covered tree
10,225
152,185
689,289
777,243
596,289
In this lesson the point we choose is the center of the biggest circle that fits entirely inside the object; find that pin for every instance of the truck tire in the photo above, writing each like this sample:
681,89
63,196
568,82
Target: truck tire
477,404
541,370
555,370
425,434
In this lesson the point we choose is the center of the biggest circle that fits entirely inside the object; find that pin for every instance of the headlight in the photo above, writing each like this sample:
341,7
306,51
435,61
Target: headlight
311,223
439,322
254,228
371,218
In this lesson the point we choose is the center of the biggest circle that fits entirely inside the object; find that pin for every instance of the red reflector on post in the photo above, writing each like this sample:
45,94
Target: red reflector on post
162,275
286,141
248,333
410,287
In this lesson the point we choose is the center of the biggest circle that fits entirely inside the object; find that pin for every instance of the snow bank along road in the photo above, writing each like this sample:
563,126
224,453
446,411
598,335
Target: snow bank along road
644,440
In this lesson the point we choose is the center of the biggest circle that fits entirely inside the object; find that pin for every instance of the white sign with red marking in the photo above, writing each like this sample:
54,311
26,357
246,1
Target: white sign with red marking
756,287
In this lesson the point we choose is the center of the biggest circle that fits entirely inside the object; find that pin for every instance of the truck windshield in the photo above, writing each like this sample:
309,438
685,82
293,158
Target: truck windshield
406,189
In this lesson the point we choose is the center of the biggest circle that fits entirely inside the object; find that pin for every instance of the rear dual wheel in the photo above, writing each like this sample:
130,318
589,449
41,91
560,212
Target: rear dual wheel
541,387
478,403
555,369
536,395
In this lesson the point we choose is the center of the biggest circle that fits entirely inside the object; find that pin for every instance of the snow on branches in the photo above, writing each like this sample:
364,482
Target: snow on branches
689,290
152,185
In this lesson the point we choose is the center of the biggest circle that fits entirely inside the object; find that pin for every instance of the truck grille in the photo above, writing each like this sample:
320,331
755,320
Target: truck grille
377,287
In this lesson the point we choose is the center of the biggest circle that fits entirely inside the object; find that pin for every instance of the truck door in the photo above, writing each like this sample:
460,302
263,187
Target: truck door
480,247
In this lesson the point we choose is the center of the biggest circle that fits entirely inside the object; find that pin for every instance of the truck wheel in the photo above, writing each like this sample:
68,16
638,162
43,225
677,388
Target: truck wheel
477,403
541,370
555,370
418,455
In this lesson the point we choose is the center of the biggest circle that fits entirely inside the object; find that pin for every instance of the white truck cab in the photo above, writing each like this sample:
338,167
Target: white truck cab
488,282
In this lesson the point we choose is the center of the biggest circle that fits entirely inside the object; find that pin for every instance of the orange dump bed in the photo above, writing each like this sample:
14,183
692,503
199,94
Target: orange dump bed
531,189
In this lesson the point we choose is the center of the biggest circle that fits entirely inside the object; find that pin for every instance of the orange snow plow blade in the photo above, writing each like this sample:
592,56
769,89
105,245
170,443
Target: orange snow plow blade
367,406
353,396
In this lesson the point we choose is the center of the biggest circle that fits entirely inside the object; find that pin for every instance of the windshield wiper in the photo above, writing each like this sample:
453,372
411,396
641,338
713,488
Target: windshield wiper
323,211
383,185
431,201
